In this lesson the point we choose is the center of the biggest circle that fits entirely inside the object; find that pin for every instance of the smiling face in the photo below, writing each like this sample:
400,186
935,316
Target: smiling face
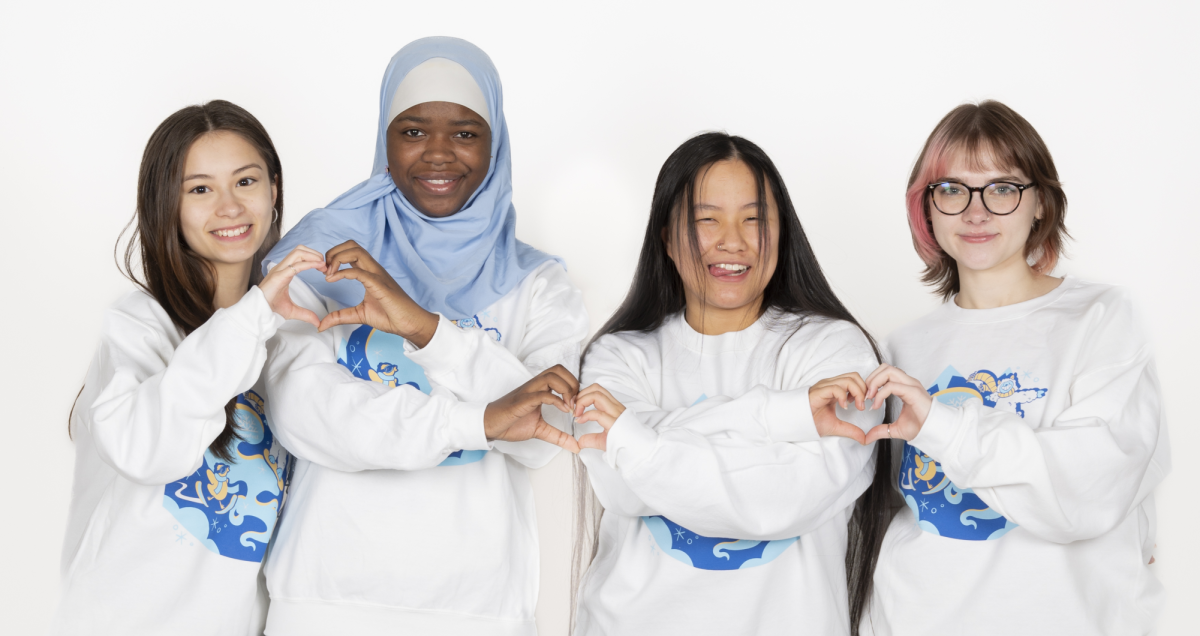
228,199
724,283
976,239
438,155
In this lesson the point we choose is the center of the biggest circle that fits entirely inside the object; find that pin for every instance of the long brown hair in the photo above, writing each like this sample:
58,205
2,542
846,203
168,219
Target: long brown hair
987,130
176,276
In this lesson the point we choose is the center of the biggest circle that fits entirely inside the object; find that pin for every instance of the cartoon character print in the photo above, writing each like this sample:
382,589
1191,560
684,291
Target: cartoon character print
378,356
231,507
711,553
939,506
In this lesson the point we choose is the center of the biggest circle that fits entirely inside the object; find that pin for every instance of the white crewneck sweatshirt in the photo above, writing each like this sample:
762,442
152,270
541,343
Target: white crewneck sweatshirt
402,517
725,512
163,537
1029,488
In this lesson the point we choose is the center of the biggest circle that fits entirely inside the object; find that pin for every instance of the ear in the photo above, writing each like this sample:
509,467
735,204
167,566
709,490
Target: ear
668,243
274,190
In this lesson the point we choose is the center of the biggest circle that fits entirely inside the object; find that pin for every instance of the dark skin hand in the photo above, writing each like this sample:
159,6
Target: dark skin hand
518,416
438,155
385,304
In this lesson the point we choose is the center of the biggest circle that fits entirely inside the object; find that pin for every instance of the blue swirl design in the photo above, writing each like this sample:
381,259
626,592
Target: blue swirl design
939,506
378,356
711,553
231,508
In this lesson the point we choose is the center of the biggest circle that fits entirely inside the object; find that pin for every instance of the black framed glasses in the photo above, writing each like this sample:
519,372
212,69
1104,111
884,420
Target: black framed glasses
999,198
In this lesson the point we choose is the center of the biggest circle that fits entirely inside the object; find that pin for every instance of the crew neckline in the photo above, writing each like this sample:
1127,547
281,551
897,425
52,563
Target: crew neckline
730,341
952,311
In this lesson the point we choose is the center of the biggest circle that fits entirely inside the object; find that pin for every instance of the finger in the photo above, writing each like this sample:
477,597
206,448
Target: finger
531,400
310,250
548,433
347,316
870,378
301,254
905,392
592,390
598,441
568,377
854,385
546,380
598,400
605,420
877,433
368,279
351,253
848,430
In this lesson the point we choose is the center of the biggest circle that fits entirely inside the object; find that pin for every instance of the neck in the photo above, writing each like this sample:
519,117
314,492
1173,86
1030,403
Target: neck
1009,283
232,281
714,321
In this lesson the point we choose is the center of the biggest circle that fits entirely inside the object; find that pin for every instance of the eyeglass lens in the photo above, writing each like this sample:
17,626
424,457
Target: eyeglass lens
998,198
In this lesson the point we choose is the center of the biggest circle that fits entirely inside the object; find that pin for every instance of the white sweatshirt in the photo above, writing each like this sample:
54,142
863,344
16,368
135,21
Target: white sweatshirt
1030,506
716,465
403,517
163,537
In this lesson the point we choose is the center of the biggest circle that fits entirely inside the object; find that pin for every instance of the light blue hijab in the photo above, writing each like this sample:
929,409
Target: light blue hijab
458,265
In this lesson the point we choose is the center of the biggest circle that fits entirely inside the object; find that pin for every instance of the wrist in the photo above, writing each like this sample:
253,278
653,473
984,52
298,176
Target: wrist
424,330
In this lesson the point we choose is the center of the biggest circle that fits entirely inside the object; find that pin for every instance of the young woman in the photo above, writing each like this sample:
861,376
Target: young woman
716,442
1032,426
178,478
412,410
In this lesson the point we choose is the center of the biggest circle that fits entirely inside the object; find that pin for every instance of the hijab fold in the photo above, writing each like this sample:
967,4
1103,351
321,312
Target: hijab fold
457,265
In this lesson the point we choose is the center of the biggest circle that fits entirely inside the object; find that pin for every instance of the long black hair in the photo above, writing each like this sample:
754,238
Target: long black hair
798,290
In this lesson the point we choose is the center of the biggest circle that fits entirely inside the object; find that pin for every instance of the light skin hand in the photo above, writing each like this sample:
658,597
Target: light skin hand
385,304
839,391
606,409
517,417
275,284
887,381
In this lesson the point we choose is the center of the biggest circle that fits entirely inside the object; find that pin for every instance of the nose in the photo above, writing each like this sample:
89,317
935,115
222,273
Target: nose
438,150
732,238
230,205
976,212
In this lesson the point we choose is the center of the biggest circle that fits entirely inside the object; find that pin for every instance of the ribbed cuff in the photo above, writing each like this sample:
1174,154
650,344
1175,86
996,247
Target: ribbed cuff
449,348
629,442
788,417
464,427
253,313
937,434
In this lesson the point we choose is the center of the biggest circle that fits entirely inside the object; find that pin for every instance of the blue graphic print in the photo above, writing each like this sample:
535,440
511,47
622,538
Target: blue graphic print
711,553
231,508
939,506
378,356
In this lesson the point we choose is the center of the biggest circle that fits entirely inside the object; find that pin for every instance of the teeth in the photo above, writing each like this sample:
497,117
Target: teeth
439,181
237,231
733,268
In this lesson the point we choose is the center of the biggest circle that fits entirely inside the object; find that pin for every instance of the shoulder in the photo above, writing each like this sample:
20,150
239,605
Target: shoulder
626,347
822,337
139,315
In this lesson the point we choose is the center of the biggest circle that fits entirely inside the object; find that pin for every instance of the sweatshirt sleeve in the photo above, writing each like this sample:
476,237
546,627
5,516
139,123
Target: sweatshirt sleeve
472,366
1077,476
323,414
753,466
160,407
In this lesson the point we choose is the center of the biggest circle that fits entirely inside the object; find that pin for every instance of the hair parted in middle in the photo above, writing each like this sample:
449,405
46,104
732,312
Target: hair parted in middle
798,291
988,134
178,278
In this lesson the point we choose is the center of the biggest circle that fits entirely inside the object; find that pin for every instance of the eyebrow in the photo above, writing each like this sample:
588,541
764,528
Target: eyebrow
709,206
205,176
1007,177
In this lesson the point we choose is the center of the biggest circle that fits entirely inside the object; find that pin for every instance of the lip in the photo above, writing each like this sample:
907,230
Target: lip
451,182
977,238
233,239
725,276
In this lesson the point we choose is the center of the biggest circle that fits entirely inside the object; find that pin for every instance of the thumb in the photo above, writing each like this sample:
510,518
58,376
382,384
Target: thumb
347,316
842,428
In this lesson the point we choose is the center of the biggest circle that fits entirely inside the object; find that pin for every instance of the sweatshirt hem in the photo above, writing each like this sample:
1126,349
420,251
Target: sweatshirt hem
299,617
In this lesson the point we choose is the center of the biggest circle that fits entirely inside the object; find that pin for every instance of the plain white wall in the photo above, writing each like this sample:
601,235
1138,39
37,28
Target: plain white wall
842,96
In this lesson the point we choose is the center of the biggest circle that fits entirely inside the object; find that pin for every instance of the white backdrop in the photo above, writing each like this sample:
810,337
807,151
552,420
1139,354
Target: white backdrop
597,96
